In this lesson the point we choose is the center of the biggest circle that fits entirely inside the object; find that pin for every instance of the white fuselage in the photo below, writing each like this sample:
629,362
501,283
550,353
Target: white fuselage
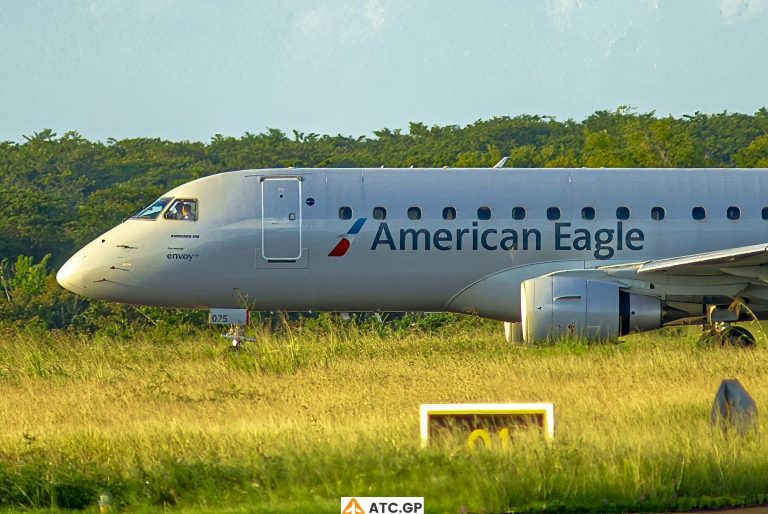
273,239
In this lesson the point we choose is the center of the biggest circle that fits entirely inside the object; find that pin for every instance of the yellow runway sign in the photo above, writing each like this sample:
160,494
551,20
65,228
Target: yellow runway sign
486,424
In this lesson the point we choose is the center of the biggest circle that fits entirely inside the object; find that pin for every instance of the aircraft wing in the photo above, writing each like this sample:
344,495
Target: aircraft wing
744,261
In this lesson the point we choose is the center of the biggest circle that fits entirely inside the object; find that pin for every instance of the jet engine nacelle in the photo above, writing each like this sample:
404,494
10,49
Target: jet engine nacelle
554,306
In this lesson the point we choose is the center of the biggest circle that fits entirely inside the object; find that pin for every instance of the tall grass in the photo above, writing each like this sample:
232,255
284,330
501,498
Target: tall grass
294,421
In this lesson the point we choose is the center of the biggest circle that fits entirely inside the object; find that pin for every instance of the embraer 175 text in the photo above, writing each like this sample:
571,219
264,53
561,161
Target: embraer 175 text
590,252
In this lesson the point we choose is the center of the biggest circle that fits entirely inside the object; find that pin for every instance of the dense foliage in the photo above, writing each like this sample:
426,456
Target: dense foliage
59,192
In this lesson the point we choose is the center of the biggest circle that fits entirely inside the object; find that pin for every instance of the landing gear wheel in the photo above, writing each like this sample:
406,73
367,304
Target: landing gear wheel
738,337
728,336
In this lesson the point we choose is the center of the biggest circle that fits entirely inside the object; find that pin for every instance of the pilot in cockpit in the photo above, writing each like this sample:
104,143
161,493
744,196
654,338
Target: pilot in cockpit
186,212
181,210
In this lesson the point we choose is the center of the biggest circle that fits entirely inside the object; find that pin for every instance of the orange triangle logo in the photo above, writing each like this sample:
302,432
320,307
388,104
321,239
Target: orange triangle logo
353,507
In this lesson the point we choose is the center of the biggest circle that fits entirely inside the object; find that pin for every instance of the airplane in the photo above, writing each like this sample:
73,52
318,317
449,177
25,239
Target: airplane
593,253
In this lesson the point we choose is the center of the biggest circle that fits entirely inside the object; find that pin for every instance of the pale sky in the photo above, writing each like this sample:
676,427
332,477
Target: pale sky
184,69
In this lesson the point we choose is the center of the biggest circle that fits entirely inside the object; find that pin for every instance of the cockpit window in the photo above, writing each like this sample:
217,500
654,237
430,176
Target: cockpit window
153,211
182,210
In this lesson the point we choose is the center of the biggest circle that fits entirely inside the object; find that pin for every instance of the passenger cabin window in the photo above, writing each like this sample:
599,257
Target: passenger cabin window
153,211
345,213
698,213
182,209
765,213
622,213
449,213
484,213
588,213
658,213
518,213
414,213
553,213
379,213
733,213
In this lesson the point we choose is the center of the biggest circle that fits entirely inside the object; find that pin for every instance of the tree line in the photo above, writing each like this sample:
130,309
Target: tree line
57,192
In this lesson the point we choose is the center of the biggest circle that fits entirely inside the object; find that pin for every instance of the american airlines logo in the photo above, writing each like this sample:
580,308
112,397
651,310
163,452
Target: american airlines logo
602,242
345,241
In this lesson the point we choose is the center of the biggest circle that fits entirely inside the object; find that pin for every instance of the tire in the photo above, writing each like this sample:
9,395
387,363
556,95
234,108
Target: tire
738,337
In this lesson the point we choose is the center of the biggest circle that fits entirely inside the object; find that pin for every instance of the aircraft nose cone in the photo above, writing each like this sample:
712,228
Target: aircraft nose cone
70,277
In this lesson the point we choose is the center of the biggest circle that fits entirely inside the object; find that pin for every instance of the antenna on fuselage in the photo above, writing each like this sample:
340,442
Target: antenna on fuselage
502,162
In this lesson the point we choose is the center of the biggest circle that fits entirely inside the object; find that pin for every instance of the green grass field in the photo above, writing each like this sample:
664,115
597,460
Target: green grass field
301,418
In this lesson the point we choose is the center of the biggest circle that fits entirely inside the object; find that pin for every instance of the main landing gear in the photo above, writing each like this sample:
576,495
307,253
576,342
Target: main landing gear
725,334
719,330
